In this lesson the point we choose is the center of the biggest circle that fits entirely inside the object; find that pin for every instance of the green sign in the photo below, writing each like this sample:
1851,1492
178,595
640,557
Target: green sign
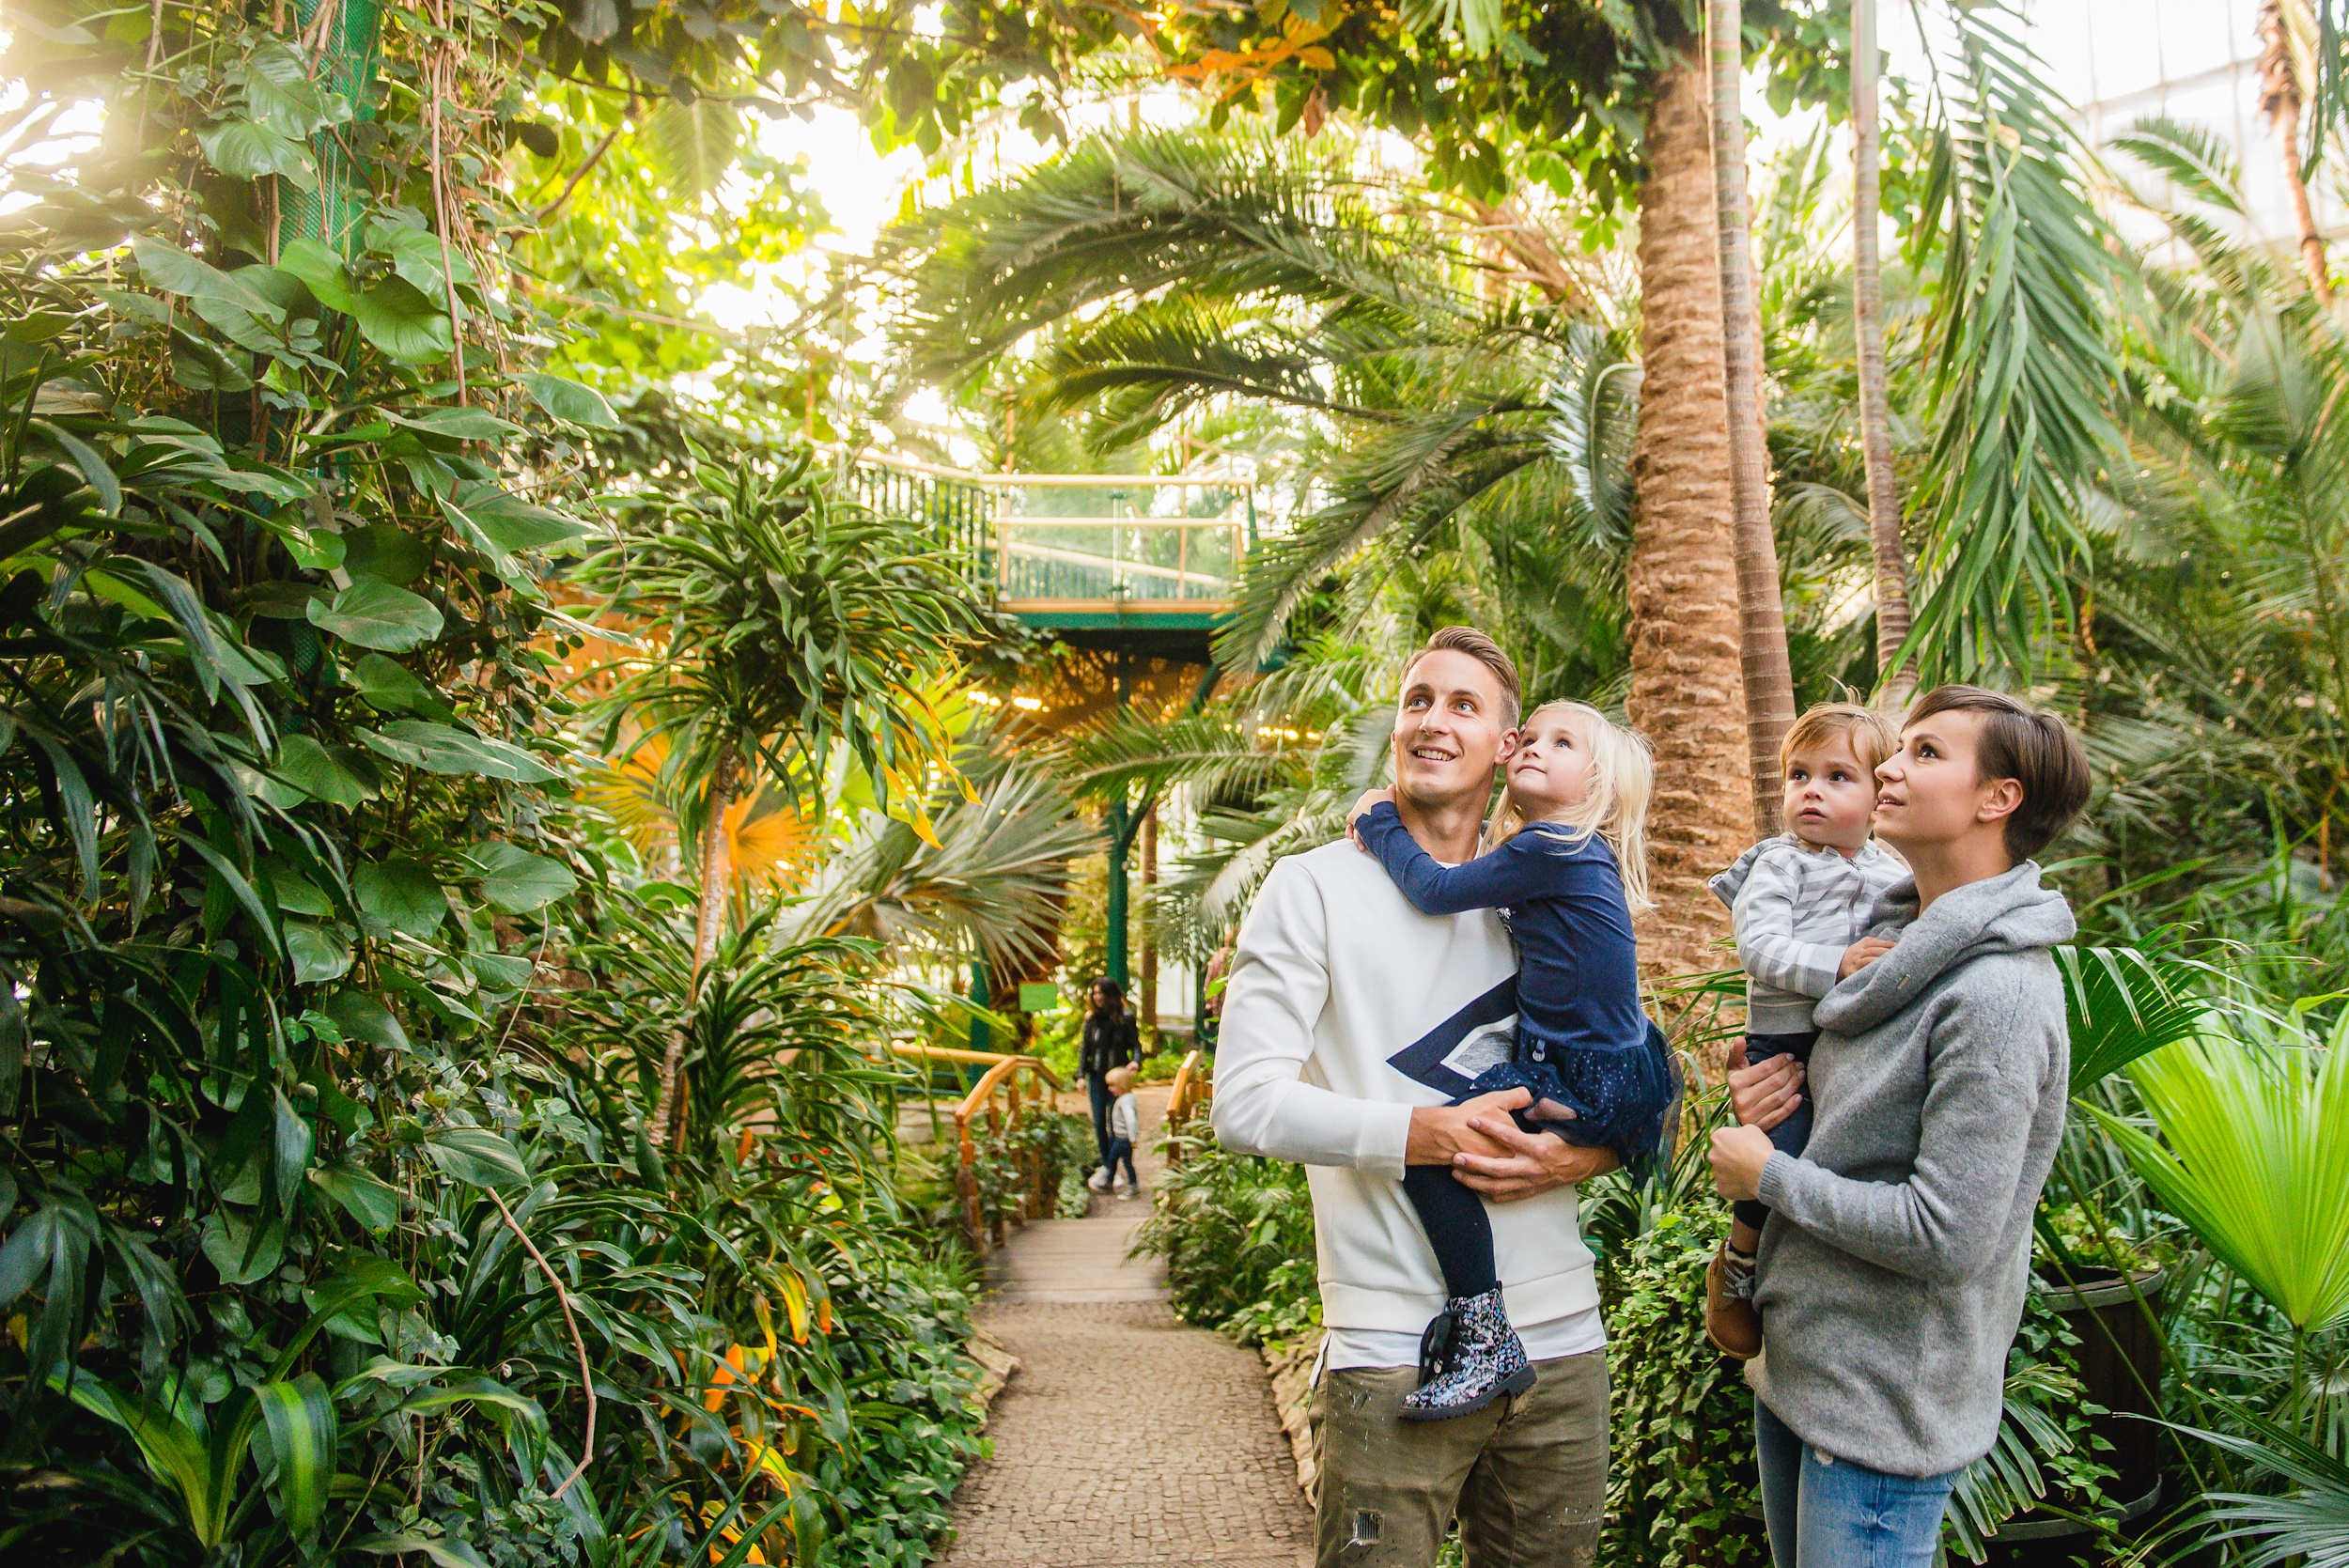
1038,996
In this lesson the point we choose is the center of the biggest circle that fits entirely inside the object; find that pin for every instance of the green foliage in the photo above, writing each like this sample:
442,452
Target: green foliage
2255,1157
1236,1232
329,1223
2021,361
777,621
1053,1148
1681,1447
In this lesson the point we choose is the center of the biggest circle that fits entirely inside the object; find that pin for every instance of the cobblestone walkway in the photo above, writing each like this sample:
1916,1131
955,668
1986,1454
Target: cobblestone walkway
1125,1440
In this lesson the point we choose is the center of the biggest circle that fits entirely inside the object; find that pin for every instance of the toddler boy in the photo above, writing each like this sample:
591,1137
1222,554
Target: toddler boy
1798,904
1125,1126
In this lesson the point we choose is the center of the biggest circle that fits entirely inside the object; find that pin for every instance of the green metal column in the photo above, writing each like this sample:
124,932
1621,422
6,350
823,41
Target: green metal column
981,1036
1121,839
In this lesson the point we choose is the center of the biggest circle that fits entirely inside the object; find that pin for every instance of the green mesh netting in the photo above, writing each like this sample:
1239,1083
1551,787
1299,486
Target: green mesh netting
335,210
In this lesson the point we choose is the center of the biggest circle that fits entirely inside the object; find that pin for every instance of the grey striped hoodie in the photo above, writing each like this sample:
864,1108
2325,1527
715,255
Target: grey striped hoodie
1794,910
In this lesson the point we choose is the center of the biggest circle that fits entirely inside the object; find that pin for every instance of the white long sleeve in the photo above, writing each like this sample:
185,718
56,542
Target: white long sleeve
1277,987
1345,1009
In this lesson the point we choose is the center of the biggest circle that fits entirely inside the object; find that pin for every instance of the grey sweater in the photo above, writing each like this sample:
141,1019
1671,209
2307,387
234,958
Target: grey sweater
1795,909
1893,1267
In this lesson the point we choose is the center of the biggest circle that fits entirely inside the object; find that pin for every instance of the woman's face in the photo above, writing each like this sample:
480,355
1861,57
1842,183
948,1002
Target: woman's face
1101,995
1550,768
1931,792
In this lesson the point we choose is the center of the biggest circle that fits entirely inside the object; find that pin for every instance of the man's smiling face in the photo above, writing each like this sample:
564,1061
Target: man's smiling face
1452,729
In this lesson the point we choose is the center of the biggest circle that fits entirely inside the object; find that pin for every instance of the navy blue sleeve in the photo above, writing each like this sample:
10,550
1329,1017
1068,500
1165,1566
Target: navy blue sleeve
1520,869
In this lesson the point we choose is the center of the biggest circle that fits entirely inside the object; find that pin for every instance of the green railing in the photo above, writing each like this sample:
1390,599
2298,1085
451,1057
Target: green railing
1110,543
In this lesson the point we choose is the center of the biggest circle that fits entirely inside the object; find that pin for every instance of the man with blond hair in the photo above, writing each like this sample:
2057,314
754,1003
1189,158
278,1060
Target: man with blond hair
1349,1021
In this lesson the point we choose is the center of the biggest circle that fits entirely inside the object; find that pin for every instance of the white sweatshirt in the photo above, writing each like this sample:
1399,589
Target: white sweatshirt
1795,909
1344,1008
1126,1117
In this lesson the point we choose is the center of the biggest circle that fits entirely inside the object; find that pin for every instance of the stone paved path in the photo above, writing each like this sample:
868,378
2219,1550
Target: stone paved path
1125,1440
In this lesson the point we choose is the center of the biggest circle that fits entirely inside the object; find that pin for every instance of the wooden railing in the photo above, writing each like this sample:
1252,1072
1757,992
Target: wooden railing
1191,1090
1013,1088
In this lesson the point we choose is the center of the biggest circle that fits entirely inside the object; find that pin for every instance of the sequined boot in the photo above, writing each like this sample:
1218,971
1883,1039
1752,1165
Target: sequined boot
1468,1358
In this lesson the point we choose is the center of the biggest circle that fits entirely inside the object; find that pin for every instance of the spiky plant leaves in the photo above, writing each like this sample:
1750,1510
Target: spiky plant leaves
2254,1156
2308,1524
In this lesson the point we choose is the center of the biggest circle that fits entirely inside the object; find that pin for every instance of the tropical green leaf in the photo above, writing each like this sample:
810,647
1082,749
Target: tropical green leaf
475,1154
2122,1004
319,953
248,150
378,615
456,423
693,144
174,1454
278,87
390,689
241,1246
418,256
446,1551
516,880
372,1203
573,402
2254,1156
400,894
363,1018
439,749
340,775
299,1417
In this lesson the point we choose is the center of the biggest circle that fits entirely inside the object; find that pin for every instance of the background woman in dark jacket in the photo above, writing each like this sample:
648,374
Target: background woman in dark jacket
1110,1040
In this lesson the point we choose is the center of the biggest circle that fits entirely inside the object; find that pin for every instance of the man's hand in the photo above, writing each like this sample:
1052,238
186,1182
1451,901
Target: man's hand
1738,1154
1764,1094
1535,1163
1440,1131
1362,809
1857,956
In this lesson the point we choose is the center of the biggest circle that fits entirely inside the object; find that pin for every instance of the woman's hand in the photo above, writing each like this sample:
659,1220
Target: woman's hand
1767,1093
1362,809
1738,1154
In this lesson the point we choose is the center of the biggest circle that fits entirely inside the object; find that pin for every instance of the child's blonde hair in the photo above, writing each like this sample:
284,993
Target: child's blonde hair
1613,805
1872,734
1119,1079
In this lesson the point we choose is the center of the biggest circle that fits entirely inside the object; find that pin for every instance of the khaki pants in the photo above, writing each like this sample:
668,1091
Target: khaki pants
1527,1476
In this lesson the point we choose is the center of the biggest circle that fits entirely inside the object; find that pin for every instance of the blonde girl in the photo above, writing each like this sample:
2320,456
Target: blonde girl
1566,863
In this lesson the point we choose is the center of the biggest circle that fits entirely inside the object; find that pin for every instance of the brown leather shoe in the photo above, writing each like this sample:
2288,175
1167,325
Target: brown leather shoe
1731,1322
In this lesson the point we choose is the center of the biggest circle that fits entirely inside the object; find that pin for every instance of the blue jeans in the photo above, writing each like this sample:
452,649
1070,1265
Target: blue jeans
1828,1513
1121,1150
1102,1100
1792,1134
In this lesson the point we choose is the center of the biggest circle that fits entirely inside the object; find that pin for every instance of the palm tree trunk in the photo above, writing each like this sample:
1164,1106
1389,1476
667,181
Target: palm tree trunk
1770,680
1875,418
1687,691
2279,95
668,1119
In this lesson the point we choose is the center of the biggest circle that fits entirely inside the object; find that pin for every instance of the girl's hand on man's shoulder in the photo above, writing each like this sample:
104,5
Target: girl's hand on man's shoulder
1361,809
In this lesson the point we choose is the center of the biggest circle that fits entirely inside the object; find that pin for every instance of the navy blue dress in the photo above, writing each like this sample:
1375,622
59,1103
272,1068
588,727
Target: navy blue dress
1583,1039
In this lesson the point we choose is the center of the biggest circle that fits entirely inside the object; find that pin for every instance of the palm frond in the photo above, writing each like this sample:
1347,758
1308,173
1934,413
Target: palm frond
2021,361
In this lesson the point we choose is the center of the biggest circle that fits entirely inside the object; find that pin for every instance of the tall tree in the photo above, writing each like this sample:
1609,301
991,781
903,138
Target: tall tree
1688,689
1893,684
773,621
1769,681
2281,48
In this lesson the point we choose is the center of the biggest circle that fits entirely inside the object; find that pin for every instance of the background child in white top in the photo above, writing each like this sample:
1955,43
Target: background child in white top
1799,905
1125,1127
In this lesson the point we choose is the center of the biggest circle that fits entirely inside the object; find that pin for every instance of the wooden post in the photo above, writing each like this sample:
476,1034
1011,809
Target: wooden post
967,1187
995,1131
